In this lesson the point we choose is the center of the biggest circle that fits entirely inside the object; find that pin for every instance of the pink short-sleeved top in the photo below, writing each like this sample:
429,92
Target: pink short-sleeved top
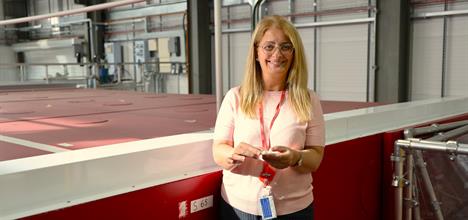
292,191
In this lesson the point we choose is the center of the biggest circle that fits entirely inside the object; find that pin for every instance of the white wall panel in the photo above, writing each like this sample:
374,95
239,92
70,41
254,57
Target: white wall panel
55,56
8,73
240,15
238,49
303,6
426,59
226,60
457,57
336,4
41,7
342,62
277,7
128,57
307,35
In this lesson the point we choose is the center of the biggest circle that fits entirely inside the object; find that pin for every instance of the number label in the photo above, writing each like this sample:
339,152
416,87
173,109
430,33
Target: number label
201,203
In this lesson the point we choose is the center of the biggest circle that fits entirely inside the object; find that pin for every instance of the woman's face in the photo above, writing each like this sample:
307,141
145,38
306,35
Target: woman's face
274,53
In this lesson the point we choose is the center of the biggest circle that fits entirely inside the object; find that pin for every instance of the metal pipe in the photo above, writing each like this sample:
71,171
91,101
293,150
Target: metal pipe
374,60
438,128
218,53
330,23
291,10
447,147
369,15
421,165
409,186
314,24
255,14
71,64
416,211
450,134
444,54
315,75
47,73
155,9
440,14
228,54
397,181
91,39
70,12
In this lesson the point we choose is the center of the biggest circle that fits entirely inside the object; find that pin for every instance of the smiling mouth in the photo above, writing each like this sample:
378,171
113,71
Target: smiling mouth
276,63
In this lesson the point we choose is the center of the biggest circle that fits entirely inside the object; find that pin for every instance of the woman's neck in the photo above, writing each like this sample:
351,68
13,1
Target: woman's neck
274,86
274,82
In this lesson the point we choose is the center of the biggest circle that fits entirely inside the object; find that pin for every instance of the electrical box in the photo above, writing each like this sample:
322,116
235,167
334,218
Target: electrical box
141,51
114,56
174,46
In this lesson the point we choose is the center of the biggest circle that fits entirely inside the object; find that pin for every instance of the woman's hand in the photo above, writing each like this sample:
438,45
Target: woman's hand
229,157
303,161
281,157
242,151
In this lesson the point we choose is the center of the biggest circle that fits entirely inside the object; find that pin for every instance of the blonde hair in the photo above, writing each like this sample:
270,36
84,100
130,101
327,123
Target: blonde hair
251,91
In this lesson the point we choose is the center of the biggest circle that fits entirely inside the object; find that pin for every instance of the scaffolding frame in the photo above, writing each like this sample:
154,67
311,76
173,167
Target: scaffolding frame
407,153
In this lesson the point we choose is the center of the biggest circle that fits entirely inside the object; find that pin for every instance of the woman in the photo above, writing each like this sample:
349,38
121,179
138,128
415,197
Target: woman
269,134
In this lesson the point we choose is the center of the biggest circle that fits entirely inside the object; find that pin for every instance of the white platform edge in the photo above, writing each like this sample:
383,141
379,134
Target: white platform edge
38,184
348,125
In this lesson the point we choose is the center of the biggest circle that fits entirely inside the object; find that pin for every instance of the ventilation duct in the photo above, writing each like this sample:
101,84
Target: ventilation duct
46,44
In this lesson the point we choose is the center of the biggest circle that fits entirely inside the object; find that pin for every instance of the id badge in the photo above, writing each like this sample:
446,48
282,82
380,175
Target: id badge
267,207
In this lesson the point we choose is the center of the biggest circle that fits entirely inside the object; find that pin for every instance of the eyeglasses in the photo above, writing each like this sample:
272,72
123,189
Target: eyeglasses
285,49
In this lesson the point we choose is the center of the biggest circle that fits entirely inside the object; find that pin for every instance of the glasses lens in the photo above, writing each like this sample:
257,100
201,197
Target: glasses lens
283,48
286,48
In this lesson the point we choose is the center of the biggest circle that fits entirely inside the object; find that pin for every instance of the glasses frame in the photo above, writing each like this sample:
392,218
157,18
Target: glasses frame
281,48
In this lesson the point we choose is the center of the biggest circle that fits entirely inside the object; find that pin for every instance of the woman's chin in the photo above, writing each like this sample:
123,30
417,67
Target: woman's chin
276,71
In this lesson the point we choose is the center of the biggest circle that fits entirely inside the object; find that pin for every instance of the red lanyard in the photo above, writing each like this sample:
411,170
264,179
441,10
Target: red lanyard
268,173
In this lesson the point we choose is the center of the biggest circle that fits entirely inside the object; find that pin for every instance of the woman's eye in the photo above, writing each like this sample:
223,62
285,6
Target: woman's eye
286,47
269,47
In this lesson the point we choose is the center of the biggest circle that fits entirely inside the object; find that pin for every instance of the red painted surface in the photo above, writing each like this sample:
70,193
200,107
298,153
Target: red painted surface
348,182
13,151
80,118
160,202
388,195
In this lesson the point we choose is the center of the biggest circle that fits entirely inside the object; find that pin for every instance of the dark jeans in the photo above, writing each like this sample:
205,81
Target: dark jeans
227,212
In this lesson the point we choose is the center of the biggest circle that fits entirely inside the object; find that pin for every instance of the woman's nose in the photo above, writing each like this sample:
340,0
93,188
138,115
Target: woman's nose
276,52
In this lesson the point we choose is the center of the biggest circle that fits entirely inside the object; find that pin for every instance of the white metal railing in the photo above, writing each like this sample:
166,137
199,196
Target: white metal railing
141,76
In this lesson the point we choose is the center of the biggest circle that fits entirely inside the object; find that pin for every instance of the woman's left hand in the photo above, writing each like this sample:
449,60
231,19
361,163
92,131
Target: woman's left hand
281,157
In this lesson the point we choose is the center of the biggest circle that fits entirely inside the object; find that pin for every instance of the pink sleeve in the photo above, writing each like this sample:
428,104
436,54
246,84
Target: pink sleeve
315,131
224,127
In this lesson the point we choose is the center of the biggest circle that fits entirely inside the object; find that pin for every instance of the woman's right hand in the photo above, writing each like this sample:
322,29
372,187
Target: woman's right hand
230,157
242,151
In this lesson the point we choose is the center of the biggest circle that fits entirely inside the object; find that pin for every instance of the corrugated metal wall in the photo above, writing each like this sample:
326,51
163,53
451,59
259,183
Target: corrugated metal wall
427,52
341,63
